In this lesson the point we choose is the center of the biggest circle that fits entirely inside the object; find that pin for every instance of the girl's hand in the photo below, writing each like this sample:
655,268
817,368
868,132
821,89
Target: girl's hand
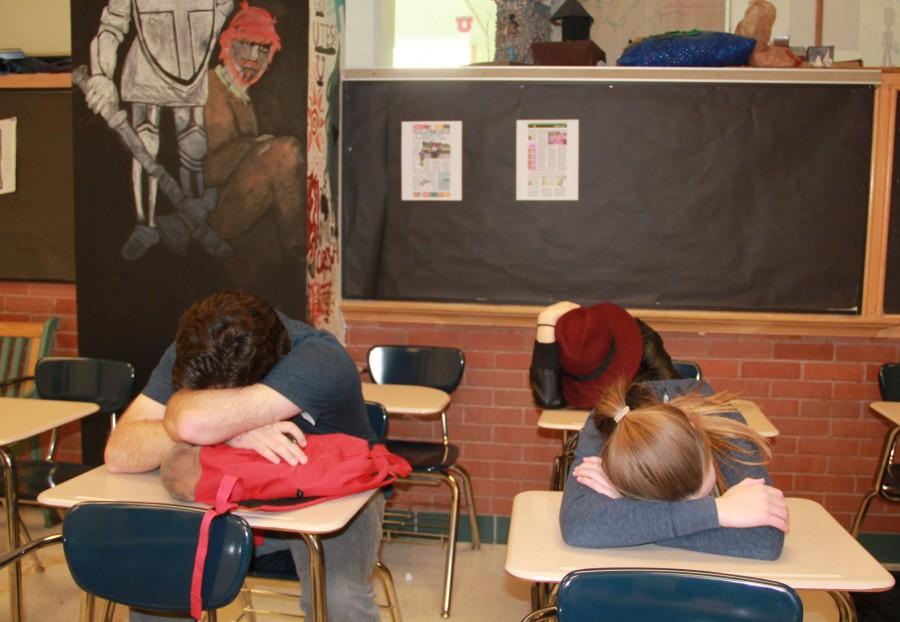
753,504
590,473
551,314
546,321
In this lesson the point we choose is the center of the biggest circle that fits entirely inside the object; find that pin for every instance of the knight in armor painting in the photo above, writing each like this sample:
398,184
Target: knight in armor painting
164,68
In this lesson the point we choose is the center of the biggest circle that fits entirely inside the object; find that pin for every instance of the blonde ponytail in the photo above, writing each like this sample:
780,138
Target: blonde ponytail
660,451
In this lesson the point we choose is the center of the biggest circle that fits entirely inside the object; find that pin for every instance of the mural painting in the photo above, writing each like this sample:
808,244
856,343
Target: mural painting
322,258
190,166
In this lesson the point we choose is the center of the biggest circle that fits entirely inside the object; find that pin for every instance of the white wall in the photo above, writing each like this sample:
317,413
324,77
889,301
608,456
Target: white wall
37,27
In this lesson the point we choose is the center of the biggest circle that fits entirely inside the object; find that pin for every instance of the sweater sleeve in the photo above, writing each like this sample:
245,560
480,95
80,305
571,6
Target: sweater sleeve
545,375
593,520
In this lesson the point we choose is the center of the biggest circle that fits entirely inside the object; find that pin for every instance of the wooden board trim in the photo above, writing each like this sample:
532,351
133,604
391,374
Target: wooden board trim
36,81
470,314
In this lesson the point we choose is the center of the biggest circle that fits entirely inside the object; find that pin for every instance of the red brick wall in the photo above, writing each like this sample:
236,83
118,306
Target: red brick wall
35,302
814,389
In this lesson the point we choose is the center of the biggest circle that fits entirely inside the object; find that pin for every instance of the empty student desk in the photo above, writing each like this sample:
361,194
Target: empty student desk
407,399
537,552
22,418
310,522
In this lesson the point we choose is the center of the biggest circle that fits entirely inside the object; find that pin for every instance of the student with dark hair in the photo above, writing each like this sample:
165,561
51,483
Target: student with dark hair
580,351
243,374
227,340
685,473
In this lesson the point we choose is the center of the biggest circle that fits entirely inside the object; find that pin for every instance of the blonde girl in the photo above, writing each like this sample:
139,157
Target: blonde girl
686,473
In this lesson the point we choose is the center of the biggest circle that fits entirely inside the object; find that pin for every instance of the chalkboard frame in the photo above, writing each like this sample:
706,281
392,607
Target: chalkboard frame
799,77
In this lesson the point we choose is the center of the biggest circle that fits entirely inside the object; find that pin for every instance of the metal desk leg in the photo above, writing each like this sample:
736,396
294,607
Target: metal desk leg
316,577
87,607
846,608
12,527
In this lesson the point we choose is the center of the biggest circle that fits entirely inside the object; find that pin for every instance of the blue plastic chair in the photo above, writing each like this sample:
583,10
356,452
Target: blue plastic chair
280,564
439,368
670,595
687,369
107,383
142,555
887,477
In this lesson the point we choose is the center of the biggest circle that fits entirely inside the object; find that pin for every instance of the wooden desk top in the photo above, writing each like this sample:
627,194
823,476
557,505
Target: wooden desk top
818,553
407,399
755,418
888,410
101,485
21,418
573,420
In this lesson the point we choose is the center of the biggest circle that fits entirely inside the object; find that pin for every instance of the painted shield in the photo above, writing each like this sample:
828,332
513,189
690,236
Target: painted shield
177,36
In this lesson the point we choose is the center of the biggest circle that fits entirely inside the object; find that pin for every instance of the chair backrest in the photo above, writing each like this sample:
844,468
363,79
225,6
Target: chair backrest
142,555
22,344
687,369
430,366
889,382
104,382
675,596
378,419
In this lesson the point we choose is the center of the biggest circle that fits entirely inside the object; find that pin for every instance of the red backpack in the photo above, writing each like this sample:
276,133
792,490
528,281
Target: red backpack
337,465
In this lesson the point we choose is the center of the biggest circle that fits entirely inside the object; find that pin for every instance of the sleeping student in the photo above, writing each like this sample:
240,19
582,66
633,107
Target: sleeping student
686,473
579,351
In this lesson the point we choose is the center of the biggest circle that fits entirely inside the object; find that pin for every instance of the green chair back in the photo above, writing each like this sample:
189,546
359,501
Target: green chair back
22,345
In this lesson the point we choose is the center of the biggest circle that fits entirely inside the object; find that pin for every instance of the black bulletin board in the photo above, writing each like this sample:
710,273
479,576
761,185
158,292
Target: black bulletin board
37,236
892,280
692,196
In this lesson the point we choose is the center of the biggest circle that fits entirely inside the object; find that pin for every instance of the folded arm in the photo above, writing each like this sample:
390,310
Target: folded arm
545,369
594,520
180,471
139,439
207,416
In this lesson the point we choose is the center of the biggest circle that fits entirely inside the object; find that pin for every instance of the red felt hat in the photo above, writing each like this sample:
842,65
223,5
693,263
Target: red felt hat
597,346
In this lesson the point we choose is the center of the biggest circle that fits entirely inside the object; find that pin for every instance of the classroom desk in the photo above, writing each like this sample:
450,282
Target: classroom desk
310,522
22,418
569,420
407,399
818,553
888,410
410,399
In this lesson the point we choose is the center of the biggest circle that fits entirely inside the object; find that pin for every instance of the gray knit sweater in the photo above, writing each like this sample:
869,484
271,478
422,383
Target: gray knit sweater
593,520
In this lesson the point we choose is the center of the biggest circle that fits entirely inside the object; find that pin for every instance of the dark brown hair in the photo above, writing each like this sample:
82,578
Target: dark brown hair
228,339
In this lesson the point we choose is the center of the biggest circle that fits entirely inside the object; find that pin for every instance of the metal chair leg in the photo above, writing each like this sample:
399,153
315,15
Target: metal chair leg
861,513
470,503
387,580
884,464
38,566
247,599
554,473
87,607
450,480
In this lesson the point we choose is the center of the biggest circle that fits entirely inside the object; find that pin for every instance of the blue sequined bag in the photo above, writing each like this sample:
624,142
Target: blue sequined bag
692,48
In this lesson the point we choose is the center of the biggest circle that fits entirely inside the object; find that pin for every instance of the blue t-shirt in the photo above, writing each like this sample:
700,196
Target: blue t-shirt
317,375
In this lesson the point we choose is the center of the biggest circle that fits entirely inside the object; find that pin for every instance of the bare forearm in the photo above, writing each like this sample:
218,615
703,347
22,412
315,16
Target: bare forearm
180,471
137,446
209,416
